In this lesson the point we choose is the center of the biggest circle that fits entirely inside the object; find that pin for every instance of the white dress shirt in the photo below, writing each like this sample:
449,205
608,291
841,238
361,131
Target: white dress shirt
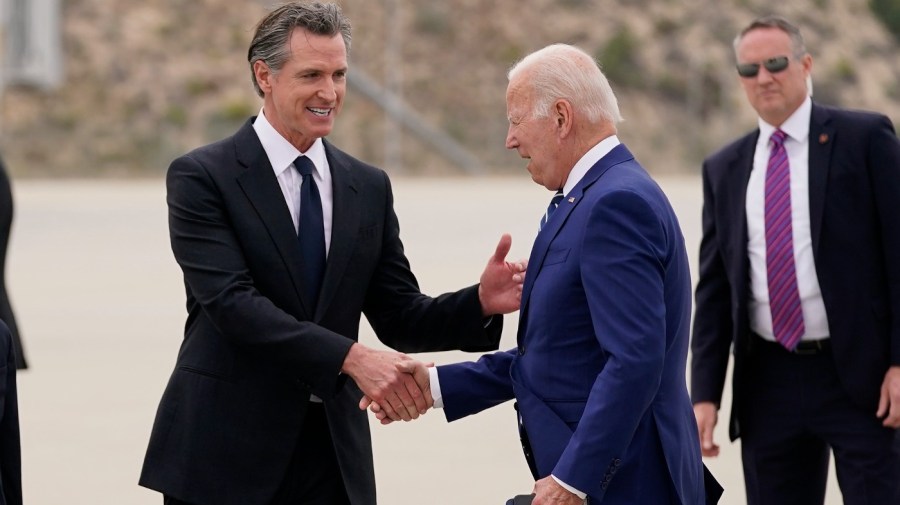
577,173
797,145
282,154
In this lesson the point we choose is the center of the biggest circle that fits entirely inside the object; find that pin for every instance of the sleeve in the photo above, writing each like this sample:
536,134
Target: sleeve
884,159
711,338
470,387
409,321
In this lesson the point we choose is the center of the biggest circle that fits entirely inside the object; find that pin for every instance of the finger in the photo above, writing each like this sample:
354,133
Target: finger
364,402
502,248
416,393
423,381
405,406
883,403
421,393
389,409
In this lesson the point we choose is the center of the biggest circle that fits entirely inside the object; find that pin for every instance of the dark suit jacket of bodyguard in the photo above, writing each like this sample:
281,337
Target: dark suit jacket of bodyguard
254,349
854,210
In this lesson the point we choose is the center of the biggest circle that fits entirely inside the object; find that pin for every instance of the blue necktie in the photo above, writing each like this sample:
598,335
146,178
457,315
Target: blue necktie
311,232
554,203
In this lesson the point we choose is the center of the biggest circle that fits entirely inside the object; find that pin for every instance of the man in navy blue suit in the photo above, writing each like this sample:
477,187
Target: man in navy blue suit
599,371
800,279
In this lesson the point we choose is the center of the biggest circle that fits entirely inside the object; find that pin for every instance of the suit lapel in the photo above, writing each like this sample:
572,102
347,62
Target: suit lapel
542,243
821,140
344,224
261,188
735,181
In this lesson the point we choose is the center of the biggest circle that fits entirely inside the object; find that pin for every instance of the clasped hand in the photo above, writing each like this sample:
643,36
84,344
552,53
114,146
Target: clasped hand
386,413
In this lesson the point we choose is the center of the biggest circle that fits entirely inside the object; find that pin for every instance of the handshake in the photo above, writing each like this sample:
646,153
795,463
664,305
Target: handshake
395,386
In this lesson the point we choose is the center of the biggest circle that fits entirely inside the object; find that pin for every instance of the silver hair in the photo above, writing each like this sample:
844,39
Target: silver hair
562,71
271,42
779,23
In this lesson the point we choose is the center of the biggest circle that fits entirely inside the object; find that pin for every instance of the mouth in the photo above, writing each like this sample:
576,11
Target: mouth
321,111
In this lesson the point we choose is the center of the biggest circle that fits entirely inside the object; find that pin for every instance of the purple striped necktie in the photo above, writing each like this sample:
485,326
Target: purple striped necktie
784,297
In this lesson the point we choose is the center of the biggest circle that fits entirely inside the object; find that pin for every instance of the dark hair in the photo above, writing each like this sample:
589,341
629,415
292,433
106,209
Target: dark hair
779,23
270,42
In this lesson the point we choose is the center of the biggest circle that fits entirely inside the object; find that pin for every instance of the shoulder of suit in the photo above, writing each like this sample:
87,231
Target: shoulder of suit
855,116
338,157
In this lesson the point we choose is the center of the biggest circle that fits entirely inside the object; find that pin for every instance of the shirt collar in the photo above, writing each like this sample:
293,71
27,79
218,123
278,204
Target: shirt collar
796,126
589,159
282,153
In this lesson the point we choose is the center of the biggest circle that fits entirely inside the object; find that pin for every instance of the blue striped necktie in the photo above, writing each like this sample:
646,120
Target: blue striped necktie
554,203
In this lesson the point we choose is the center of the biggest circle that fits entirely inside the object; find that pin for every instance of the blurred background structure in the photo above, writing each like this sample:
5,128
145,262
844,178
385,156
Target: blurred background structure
116,87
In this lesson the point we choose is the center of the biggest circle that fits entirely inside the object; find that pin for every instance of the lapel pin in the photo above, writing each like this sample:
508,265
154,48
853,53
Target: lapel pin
571,199
823,138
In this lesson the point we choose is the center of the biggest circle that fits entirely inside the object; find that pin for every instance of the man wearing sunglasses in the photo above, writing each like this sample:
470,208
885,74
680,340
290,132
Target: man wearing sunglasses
800,278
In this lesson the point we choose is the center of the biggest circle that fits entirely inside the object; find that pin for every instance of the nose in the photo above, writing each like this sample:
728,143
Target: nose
511,142
764,75
328,91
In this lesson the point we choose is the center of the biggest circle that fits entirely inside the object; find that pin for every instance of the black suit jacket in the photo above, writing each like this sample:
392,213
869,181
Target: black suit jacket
10,452
6,217
254,349
854,206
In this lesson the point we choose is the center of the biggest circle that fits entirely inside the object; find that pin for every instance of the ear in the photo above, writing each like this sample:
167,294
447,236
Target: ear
262,73
564,117
807,62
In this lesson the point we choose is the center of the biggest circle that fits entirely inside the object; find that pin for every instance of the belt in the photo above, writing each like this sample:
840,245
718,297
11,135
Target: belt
804,348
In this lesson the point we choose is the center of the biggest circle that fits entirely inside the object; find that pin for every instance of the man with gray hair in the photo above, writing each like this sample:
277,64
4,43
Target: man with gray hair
599,371
800,283
284,241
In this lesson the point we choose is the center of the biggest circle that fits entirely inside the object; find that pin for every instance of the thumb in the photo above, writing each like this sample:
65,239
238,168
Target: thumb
408,366
502,248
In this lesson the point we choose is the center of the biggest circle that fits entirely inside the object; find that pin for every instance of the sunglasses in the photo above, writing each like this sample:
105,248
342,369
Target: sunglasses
773,66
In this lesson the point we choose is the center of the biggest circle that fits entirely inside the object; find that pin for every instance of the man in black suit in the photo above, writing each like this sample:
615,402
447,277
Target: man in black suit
263,405
800,273
10,451
6,312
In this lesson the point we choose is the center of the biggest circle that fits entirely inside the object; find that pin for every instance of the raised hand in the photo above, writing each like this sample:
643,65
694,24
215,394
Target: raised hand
500,291
398,392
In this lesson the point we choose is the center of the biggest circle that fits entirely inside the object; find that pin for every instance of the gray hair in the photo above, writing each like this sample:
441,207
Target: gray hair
779,23
270,43
562,71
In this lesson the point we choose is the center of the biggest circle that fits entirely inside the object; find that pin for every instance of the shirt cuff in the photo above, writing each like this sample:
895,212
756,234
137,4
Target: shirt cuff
435,384
570,488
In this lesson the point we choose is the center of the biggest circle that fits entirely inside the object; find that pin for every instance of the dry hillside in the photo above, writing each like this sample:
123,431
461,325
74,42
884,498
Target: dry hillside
146,81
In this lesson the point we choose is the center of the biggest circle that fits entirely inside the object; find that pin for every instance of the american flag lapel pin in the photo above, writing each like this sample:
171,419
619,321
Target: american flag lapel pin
571,199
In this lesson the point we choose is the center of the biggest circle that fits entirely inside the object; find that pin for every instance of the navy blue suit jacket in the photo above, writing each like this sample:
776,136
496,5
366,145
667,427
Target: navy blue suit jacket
599,373
854,208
